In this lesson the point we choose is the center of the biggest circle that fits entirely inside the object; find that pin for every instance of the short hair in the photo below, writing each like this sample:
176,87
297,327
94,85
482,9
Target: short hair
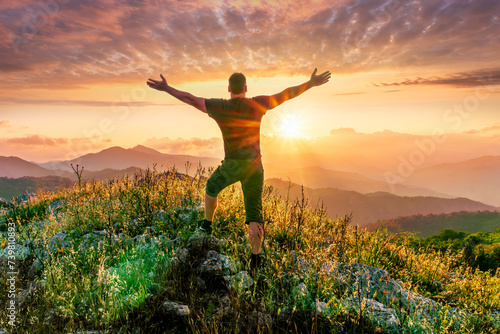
237,82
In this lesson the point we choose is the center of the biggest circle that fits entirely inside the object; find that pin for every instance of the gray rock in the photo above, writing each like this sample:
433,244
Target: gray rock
302,290
176,309
151,230
455,276
160,215
387,318
180,256
228,266
141,238
5,203
58,240
117,227
225,303
134,222
101,232
240,281
321,307
367,282
264,319
25,197
198,240
25,296
201,283
118,238
211,264
20,252
302,264
53,317
92,240
328,267
57,206
35,269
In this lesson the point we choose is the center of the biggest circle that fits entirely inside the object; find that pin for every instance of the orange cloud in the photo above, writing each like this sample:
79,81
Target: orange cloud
89,42
494,129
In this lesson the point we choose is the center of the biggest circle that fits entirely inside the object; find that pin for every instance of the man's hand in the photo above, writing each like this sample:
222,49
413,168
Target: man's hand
318,80
158,84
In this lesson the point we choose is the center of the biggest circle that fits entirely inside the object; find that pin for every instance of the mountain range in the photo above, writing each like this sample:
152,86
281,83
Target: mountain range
477,179
318,177
369,208
113,158
119,158
467,186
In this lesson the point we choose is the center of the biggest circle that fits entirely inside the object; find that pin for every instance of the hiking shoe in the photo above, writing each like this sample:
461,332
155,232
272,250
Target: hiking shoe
205,226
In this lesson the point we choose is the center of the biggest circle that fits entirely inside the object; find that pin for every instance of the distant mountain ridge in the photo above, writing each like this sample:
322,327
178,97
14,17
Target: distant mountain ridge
15,167
318,177
370,208
428,225
477,179
120,158
432,190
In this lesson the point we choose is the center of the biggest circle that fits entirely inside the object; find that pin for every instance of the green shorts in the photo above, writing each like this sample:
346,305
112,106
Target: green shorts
251,175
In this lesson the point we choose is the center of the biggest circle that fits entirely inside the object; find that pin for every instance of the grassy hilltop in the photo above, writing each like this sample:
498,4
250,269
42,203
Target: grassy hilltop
122,256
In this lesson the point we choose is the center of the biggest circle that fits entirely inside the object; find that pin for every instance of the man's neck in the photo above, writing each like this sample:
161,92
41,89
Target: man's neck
238,95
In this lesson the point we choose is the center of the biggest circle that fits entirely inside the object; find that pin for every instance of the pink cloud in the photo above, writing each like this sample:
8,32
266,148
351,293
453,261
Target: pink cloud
193,146
35,140
43,148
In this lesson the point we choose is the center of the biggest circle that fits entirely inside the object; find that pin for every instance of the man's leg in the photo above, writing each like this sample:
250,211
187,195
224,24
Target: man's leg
256,235
210,206
225,175
252,192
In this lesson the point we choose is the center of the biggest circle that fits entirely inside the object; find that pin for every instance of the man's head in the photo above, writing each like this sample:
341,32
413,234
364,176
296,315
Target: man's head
237,83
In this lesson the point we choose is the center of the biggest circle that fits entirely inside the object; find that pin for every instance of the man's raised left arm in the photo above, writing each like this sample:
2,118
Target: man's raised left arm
292,92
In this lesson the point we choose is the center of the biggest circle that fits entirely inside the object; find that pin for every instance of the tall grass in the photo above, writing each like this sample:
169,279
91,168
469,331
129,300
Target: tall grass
104,281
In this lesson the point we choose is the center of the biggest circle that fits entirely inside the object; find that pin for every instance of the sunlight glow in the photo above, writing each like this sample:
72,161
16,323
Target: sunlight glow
290,126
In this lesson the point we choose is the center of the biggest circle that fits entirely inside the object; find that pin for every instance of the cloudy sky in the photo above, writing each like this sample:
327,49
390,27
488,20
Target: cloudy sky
73,74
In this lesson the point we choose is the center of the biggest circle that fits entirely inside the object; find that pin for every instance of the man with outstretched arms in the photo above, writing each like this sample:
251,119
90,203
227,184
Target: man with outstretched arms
239,120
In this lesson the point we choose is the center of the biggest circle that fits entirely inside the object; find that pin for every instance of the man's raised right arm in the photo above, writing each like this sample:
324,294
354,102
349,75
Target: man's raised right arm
291,92
161,85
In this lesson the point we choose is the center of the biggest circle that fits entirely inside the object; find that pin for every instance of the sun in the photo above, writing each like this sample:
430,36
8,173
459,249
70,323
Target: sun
290,126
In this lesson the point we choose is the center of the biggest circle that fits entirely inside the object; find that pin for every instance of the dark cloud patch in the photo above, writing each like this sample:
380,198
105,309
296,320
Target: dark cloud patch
485,77
87,103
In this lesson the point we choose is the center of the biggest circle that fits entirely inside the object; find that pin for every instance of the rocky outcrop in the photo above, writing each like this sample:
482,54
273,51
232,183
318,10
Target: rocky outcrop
372,289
